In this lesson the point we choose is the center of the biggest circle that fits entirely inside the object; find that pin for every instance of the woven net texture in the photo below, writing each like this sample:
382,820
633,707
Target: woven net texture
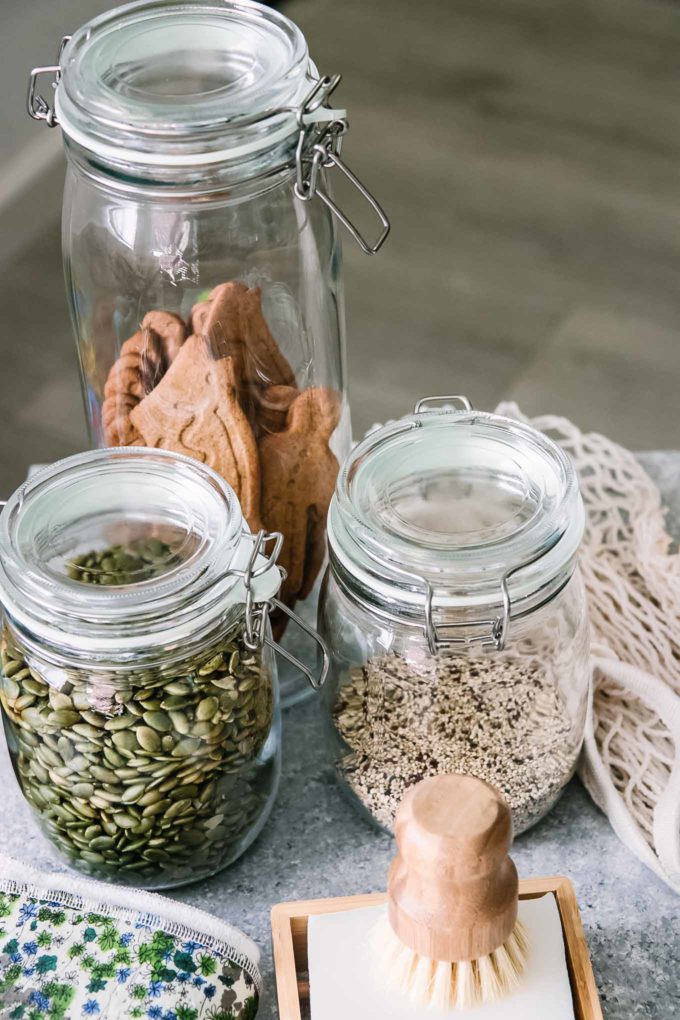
631,757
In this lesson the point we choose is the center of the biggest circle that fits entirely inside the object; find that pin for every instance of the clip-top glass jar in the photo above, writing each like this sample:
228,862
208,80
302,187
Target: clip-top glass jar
138,687
455,611
202,256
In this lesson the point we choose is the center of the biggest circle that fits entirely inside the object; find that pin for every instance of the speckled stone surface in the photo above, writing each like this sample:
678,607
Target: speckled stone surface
316,845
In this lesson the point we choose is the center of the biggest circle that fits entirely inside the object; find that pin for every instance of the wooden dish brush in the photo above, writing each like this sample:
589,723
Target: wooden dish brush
451,938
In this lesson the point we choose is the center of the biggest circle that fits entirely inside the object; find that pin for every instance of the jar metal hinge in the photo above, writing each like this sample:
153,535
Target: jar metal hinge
488,632
257,613
319,146
38,107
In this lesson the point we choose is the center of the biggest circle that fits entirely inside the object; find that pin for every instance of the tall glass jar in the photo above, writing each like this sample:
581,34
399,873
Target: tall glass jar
138,688
202,257
455,612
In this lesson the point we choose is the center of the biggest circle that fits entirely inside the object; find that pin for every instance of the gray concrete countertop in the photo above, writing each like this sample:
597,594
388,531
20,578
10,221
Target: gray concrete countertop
316,845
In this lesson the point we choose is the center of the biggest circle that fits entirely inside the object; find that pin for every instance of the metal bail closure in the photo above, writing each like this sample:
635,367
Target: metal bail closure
486,632
257,613
319,146
452,398
37,106
496,629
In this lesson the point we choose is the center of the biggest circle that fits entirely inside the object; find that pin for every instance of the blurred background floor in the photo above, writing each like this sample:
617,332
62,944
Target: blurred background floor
528,154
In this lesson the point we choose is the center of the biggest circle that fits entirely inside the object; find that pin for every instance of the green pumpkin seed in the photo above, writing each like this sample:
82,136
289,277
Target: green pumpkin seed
34,718
11,689
80,700
65,717
179,722
149,797
112,757
177,701
124,821
83,790
24,701
109,796
40,773
91,857
66,749
148,739
177,808
87,731
133,793
60,701
217,662
119,722
94,718
83,809
206,709
156,854
136,845
125,741
186,746
178,687
142,827
101,842
158,721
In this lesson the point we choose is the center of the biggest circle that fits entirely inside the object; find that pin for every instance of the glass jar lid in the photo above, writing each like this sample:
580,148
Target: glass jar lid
171,81
456,508
125,549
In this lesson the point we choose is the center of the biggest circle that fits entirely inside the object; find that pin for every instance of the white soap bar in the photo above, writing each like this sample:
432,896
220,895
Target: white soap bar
343,983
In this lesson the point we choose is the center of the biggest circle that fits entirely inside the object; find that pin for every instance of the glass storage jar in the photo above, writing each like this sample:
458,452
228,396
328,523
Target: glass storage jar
138,688
201,253
455,611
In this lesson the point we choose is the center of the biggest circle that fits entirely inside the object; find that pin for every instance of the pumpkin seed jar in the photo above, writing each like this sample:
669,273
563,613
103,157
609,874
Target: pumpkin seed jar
138,687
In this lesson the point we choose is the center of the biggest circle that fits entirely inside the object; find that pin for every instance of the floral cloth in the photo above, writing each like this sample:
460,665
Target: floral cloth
64,956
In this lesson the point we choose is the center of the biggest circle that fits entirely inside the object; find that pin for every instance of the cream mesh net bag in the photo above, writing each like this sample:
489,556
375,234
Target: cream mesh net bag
631,758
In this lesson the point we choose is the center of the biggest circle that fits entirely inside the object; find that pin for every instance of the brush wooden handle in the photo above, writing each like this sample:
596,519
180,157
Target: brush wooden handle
452,889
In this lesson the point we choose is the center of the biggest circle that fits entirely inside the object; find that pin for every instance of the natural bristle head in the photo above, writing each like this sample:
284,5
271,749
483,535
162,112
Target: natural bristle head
441,985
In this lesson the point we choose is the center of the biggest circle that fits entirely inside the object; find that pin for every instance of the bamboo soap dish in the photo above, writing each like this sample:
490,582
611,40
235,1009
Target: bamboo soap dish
289,934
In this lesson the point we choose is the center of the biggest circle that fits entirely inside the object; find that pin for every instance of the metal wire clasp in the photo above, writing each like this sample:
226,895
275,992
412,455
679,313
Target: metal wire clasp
257,613
450,398
37,106
319,146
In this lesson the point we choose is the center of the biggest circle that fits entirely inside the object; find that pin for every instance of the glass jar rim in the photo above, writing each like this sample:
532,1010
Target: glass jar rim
234,64
63,510
458,508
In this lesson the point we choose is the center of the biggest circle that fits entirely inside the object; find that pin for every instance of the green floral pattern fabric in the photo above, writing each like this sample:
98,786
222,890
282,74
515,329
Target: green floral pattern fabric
60,960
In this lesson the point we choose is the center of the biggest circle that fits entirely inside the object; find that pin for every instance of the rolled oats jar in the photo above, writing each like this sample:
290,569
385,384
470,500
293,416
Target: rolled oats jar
455,611
202,253
138,686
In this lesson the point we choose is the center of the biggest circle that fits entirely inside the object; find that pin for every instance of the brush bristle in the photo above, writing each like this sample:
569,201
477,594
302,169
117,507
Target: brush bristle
441,985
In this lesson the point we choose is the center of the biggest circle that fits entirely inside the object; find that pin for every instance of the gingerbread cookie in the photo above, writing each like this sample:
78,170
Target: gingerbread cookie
271,407
233,322
143,360
170,328
195,410
298,479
